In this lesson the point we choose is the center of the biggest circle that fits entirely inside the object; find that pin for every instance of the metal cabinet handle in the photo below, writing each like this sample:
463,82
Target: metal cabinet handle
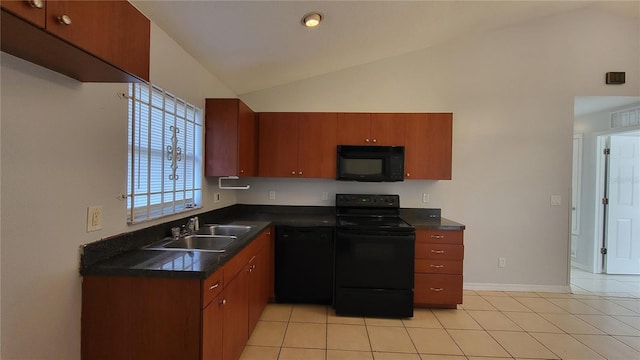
293,173
223,302
366,140
214,285
241,171
408,174
64,19
38,4
375,141
436,289
437,236
437,251
300,172
439,266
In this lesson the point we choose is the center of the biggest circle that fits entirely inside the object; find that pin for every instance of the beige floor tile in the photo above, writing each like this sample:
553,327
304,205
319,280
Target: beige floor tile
572,324
443,357
456,319
608,307
610,325
433,341
476,302
532,322
540,305
555,295
506,303
306,335
268,333
469,292
349,355
276,312
519,294
423,318
395,356
260,353
633,321
383,322
491,293
477,343
631,304
309,313
575,306
390,339
522,345
332,318
491,358
566,347
609,347
302,354
347,337
632,341
493,320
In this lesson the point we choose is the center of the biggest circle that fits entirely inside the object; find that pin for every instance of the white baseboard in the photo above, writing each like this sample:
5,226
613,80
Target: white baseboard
517,287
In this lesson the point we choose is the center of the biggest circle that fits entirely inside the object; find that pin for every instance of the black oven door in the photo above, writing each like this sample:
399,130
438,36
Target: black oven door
374,259
374,273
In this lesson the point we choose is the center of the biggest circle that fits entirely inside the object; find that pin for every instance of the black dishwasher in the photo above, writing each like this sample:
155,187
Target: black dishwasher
304,264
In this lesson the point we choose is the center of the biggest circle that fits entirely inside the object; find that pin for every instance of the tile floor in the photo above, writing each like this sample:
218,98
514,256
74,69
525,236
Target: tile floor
583,282
489,325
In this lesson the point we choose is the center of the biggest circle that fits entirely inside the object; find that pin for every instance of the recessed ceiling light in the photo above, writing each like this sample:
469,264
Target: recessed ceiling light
312,19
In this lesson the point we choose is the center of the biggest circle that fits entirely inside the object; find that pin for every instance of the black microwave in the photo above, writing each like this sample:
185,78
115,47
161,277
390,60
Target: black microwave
370,163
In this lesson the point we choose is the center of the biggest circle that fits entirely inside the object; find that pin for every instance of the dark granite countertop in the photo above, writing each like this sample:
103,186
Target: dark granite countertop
122,255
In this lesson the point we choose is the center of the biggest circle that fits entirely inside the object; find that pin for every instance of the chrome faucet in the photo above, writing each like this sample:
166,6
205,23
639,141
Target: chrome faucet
192,225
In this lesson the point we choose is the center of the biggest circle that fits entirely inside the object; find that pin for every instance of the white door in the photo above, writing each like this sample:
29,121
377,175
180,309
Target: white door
623,215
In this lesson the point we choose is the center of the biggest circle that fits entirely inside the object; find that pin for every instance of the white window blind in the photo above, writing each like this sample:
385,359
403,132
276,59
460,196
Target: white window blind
165,154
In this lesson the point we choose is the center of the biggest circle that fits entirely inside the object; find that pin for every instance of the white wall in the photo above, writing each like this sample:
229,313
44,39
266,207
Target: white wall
590,126
64,149
512,93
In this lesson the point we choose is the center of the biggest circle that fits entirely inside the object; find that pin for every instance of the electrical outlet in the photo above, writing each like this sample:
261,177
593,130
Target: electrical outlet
556,200
502,262
425,198
216,197
325,196
272,195
94,218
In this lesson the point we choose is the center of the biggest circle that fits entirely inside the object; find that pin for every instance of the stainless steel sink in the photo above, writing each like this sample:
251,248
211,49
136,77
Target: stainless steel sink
229,230
210,238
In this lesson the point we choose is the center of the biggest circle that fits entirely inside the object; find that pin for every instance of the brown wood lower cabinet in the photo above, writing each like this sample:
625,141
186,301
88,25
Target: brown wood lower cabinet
187,319
438,268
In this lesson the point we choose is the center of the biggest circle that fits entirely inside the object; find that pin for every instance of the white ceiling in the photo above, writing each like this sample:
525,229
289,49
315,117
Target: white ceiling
254,45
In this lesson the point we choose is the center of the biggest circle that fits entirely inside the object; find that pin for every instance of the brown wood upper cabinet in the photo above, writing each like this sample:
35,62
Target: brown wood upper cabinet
96,41
297,145
428,143
371,129
230,138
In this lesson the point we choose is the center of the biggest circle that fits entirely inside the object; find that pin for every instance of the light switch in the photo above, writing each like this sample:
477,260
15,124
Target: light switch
555,200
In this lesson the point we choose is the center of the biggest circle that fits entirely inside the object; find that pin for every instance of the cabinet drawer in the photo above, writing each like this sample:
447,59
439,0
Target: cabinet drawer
439,236
439,251
437,289
211,287
438,266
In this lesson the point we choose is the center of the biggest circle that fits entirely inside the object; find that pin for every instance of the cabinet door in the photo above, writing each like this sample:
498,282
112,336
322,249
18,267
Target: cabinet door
230,138
114,31
27,10
278,144
387,129
212,322
247,141
317,144
354,129
235,317
428,139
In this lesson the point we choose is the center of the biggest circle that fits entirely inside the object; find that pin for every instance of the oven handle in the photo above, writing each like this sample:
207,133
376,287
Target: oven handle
362,234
